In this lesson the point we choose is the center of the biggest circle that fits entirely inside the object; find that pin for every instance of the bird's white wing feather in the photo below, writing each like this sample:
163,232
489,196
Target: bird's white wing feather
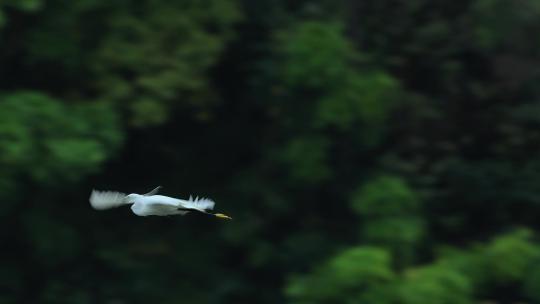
153,192
101,200
200,203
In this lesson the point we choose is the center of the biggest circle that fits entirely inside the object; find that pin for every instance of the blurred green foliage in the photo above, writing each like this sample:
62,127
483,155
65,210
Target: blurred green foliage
360,274
435,284
370,151
160,57
43,139
390,216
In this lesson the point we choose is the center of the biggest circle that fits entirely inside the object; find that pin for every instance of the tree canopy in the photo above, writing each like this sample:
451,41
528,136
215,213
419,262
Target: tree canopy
369,151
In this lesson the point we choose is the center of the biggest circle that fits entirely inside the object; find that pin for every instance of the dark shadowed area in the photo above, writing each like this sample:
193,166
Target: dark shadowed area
370,151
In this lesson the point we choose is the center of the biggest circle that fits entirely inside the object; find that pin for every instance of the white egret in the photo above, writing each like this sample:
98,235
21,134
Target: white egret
152,204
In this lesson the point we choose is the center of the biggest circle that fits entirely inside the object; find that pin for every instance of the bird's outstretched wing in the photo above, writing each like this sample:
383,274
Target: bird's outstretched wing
154,191
101,200
200,203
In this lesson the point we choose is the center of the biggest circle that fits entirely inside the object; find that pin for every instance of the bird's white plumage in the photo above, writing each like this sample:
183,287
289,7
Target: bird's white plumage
150,203
155,205
199,203
102,200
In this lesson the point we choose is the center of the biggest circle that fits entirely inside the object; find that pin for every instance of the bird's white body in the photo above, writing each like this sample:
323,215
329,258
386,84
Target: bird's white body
149,204
156,205
164,205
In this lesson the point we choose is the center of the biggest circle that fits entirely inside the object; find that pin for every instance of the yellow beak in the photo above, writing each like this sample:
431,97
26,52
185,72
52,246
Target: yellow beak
223,216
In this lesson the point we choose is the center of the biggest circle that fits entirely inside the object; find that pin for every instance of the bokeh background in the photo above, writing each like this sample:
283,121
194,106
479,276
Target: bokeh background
374,151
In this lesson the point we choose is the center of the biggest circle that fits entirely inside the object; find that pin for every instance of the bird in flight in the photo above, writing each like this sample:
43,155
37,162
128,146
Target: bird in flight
152,204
